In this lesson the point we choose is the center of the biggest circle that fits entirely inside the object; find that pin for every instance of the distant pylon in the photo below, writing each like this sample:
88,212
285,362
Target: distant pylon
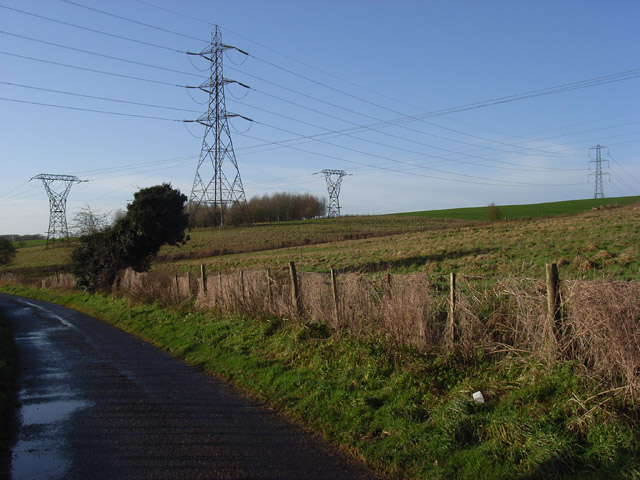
334,182
598,191
217,184
57,204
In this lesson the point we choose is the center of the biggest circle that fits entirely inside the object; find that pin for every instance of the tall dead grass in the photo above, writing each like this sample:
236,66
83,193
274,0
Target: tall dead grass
602,330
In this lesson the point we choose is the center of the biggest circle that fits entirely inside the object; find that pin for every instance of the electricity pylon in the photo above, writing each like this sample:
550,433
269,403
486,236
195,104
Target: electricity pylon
334,182
57,204
598,190
217,184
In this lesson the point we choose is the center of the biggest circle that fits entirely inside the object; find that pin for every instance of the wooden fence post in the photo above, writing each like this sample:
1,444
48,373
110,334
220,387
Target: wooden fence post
295,292
387,284
334,290
269,291
451,325
553,295
203,278
177,282
220,284
242,285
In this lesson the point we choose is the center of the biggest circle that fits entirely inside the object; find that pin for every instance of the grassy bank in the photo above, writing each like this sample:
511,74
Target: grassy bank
7,393
408,415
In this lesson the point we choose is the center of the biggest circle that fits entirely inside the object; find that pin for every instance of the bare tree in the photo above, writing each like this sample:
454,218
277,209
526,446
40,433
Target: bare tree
88,222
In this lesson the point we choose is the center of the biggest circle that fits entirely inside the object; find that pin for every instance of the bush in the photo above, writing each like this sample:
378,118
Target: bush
493,213
7,251
154,218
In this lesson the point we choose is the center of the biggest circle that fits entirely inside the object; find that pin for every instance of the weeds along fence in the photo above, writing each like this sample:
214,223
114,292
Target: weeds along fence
595,323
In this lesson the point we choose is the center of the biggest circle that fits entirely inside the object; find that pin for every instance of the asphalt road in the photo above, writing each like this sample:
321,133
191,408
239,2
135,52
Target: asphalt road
99,403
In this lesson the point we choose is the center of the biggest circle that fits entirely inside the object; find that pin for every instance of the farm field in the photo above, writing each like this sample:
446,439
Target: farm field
588,245
603,243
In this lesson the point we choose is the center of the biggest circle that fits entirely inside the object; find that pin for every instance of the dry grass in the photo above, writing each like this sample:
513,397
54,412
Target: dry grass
602,330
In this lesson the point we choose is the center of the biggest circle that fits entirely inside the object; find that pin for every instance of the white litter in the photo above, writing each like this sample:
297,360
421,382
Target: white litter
477,396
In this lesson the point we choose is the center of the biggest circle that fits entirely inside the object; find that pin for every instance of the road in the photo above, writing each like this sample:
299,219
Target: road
98,403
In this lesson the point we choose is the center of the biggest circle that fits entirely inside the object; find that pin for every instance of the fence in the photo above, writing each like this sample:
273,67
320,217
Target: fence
596,323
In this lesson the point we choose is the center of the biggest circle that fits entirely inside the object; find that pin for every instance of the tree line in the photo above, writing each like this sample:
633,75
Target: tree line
277,207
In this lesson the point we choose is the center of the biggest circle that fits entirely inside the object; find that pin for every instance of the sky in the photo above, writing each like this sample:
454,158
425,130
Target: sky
425,104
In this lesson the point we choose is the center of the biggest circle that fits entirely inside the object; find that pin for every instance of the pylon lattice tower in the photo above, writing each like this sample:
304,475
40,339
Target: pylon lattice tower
598,191
334,182
217,184
57,204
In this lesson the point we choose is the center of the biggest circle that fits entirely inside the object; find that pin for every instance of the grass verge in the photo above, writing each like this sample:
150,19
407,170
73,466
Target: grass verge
406,414
7,394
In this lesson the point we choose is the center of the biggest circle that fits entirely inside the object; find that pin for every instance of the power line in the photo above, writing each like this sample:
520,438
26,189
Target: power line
550,90
625,170
97,97
170,84
89,52
398,121
93,70
274,65
431,167
131,20
93,30
67,107
378,167
332,133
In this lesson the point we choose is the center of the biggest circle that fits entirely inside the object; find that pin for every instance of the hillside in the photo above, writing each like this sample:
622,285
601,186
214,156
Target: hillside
535,210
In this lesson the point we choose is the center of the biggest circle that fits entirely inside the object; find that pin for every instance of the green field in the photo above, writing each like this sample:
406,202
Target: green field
536,210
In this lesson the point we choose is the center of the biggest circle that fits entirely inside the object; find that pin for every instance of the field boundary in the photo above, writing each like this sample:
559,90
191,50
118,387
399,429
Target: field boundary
593,323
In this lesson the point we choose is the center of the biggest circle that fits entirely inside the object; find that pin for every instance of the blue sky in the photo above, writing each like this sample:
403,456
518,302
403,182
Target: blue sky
363,86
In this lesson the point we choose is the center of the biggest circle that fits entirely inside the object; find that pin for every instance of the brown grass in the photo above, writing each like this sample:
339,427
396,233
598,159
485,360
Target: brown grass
602,330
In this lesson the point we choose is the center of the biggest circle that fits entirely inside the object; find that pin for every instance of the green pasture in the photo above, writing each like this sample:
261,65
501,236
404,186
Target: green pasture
536,210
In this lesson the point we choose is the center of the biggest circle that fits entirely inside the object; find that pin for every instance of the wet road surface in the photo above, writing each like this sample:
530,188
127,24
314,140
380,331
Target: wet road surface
99,403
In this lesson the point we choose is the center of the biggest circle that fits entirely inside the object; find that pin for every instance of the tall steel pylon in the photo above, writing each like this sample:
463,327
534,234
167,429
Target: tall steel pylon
57,204
334,182
217,184
598,190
